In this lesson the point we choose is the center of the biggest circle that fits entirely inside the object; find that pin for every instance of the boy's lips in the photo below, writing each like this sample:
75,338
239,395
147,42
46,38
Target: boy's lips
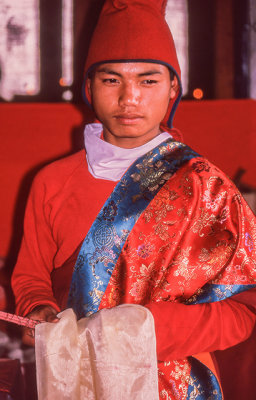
127,118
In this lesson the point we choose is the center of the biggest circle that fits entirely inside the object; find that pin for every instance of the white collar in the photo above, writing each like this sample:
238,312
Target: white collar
106,161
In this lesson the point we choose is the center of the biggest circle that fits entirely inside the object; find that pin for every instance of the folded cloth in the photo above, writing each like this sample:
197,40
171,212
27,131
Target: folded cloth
110,355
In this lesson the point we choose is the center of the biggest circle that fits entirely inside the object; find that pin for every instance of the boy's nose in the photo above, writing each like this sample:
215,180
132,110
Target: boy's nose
129,95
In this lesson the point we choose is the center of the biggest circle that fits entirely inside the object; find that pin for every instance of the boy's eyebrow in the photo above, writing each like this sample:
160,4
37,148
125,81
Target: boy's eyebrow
108,71
112,72
150,72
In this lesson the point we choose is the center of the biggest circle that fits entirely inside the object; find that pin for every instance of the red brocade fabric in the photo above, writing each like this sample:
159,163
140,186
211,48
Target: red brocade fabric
196,230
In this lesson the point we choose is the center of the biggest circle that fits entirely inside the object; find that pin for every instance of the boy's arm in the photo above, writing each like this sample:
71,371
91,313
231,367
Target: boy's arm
183,330
31,280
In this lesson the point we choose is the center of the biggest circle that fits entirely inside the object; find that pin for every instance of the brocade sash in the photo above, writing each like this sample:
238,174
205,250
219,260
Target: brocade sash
106,237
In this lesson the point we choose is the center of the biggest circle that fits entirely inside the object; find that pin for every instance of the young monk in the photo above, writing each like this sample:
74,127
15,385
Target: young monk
138,217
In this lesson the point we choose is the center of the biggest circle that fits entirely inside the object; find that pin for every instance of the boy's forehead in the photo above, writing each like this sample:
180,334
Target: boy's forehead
140,68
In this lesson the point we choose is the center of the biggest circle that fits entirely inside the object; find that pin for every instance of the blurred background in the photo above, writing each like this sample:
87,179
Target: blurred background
43,47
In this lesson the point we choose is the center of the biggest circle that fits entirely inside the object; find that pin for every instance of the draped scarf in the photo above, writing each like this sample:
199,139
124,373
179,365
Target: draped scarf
173,229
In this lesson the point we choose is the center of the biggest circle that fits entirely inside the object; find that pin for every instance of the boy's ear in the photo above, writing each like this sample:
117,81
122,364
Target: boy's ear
88,86
88,90
174,87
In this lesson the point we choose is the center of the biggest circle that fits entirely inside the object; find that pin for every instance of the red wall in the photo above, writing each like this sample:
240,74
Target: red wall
34,134
224,131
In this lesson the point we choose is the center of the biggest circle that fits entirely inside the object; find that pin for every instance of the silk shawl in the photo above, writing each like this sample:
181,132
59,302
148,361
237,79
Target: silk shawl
174,229
108,356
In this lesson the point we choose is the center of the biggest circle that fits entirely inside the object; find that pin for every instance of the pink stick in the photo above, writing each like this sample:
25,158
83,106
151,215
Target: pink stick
16,319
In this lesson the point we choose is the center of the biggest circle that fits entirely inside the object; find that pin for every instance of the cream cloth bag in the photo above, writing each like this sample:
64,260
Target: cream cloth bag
108,356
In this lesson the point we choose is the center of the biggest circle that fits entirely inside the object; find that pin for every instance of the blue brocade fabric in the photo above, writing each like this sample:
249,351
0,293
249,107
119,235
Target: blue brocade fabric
105,239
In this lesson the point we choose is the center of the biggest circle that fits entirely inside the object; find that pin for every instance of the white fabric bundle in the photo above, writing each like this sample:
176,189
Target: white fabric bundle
108,356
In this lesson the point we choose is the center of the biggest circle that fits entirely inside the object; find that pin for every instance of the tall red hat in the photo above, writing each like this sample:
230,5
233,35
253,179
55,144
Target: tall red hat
135,31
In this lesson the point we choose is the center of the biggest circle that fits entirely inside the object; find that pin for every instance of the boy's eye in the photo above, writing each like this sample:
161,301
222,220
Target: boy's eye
110,80
149,81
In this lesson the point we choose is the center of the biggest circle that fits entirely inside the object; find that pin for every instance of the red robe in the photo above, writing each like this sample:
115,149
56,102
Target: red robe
64,201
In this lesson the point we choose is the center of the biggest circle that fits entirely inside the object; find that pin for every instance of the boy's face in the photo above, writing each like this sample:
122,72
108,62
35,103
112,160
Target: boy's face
131,100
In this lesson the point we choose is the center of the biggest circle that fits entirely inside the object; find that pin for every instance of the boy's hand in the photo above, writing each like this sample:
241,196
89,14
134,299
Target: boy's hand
40,313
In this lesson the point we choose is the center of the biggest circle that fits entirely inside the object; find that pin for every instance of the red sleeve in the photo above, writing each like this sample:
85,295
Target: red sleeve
184,330
31,281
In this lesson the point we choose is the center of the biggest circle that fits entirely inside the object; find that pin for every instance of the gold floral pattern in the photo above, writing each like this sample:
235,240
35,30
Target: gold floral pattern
196,231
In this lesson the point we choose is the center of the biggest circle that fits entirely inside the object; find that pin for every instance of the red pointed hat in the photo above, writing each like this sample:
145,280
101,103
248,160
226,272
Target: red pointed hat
135,31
